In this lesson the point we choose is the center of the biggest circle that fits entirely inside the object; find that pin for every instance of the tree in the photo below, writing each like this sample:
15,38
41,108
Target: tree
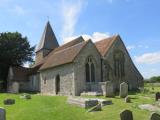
14,50
155,79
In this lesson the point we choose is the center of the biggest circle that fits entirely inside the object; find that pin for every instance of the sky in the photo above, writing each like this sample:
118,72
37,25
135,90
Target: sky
136,21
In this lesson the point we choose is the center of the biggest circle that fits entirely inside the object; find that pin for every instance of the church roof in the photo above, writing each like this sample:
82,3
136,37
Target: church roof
19,73
48,39
104,45
67,52
64,54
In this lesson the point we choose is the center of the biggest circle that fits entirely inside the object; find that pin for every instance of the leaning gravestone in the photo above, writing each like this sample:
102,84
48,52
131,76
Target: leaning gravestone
155,116
126,115
109,90
123,90
2,114
157,96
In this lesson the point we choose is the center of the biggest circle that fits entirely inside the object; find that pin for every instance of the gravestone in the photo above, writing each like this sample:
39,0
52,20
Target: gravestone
155,116
126,115
127,99
109,89
2,114
95,108
9,101
25,96
123,90
157,96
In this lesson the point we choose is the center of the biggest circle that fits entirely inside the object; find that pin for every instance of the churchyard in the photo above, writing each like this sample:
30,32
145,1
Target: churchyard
40,107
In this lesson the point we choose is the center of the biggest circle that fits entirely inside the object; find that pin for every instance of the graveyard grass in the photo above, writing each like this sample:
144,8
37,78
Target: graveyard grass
56,108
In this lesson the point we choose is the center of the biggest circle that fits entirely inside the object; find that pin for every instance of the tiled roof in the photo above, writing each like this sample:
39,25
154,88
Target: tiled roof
67,52
64,54
104,45
48,39
20,73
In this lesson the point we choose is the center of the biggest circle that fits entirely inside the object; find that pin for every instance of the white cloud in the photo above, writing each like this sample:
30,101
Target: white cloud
143,46
26,65
148,58
96,36
17,9
70,15
130,47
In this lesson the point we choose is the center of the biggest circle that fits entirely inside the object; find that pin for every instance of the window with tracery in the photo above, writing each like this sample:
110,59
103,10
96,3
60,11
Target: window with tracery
90,70
119,60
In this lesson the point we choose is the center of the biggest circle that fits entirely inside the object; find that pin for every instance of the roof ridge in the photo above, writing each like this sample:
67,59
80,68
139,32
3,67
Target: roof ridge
69,47
71,41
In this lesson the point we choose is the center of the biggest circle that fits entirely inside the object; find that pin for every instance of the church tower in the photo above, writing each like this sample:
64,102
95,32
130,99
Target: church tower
47,43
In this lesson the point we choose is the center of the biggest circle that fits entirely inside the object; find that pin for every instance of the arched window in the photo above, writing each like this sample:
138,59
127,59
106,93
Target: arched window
119,64
57,84
106,70
90,70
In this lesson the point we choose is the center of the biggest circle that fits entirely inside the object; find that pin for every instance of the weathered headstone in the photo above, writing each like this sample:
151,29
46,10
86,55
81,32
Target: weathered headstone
9,101
25,96
82,102
123,90
105,102
95,108
2,114
126,115
155,116
157,96
127,99
109,90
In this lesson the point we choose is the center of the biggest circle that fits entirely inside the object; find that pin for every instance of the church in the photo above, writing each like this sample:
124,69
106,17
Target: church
76,67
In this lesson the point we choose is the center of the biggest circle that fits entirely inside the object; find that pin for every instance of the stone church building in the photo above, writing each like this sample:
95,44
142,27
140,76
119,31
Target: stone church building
77,66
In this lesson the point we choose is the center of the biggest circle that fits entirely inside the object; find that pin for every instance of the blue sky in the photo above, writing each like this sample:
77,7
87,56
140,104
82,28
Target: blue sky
137,22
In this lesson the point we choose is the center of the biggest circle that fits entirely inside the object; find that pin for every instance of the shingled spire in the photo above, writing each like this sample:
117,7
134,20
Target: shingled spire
47,43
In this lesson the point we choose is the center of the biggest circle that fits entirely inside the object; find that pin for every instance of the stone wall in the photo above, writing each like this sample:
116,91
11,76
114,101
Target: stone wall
48,80
34,82
132,75
79,68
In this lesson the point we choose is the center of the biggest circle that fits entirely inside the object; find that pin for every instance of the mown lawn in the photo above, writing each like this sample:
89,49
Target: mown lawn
56,108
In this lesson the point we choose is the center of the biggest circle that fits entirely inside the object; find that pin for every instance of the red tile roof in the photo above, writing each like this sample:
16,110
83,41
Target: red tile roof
67,52
64,54
104,45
